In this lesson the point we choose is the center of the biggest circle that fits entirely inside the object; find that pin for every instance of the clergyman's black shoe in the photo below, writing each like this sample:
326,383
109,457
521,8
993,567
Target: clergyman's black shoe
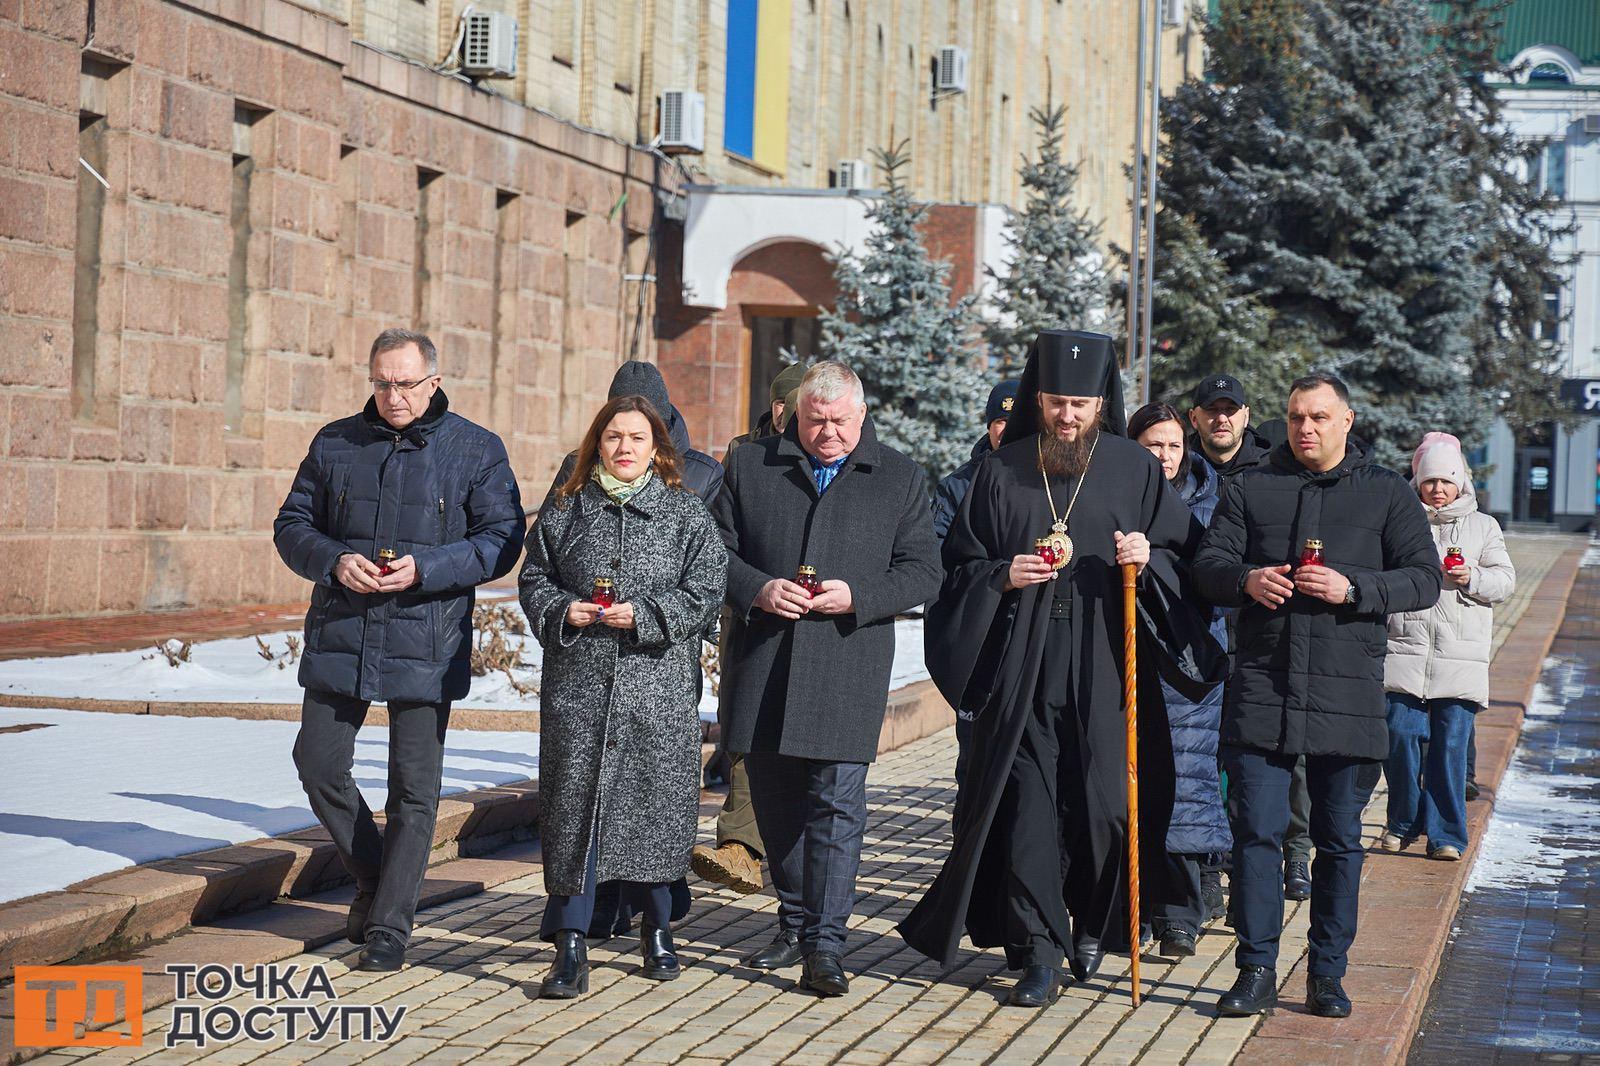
1086,957
660,957
355,924
569,974
384,953
824,974
782,952
1325,997
1177,943
1039,986
1297,879
1255,991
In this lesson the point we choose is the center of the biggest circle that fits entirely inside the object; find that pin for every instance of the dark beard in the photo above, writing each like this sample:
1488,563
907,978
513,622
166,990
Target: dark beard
1065,458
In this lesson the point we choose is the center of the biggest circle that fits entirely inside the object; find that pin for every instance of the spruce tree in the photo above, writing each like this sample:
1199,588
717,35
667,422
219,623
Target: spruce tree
1516,224
897,327
1055,276
1322,163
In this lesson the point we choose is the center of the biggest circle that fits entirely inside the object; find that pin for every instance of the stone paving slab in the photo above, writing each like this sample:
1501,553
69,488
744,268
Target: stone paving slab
476,965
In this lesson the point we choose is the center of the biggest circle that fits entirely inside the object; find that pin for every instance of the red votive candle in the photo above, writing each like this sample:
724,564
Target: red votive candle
1311,554
605,592
1045,549
806,578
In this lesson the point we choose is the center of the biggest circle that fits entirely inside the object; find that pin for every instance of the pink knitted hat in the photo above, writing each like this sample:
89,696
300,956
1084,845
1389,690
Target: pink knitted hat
1439,456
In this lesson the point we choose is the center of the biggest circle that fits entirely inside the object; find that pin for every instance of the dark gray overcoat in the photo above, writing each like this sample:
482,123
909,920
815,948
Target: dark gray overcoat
619,727
817,688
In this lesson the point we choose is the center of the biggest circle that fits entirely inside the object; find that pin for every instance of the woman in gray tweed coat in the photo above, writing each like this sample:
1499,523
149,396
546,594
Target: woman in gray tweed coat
619,745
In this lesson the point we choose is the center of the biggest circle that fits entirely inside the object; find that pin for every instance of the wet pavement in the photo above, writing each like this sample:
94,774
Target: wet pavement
1520,981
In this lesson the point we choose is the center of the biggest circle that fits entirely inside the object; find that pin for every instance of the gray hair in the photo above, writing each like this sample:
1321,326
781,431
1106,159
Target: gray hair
827,381
391,339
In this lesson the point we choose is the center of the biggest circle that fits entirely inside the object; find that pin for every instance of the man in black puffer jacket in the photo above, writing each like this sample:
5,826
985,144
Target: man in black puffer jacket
1308,674
396,515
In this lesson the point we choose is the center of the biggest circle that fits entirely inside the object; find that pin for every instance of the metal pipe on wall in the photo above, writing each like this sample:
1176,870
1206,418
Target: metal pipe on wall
1135,263
1152,180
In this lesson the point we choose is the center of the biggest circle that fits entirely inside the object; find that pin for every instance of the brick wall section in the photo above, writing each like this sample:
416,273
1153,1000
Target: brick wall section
148,500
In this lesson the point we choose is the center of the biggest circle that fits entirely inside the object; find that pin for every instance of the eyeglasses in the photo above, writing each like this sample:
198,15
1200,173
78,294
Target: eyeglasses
380,385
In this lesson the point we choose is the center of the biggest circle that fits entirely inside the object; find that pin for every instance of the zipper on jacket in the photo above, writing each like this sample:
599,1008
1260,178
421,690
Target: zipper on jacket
338,514
441,520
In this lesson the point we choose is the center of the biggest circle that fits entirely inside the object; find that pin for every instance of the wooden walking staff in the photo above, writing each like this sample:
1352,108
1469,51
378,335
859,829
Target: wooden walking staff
1130,706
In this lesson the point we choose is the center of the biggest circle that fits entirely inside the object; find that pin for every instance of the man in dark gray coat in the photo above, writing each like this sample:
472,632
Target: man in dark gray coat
806,679
396,515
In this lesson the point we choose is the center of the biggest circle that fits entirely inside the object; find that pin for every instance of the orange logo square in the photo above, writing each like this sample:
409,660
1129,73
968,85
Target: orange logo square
58,1005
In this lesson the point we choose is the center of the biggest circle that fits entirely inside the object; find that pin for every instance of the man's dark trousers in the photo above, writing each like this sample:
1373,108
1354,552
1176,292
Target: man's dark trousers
390,864
1258,808
812,816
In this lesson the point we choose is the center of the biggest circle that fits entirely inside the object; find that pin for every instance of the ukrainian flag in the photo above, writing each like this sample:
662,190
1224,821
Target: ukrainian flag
756,115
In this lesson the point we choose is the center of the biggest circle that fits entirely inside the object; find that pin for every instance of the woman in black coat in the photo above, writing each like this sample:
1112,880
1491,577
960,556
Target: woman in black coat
625,570
1197,834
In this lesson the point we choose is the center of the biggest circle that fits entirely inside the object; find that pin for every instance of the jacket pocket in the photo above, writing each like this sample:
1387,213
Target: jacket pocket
436,625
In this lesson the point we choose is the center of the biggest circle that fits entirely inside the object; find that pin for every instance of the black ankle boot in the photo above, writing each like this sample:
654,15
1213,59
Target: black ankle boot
1255,991
1325,997
660,958
569,974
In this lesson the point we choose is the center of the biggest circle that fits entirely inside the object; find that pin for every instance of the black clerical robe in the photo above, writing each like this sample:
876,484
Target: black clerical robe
985,645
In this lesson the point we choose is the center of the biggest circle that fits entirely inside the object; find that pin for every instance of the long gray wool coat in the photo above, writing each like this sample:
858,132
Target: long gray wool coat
619,731
817,688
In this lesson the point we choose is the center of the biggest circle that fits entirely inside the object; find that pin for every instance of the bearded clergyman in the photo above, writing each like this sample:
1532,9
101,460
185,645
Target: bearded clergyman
1027,636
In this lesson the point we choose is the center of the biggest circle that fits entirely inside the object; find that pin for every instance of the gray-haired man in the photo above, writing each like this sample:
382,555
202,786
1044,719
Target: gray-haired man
806,678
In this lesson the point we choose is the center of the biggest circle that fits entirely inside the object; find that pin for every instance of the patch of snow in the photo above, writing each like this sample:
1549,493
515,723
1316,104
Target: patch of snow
93,792
1536,811
231,670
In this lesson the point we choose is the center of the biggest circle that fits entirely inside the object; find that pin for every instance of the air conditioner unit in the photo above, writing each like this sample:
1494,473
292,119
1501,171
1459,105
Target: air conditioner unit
1591,123
950,72
854,174
1172,12
489,45
683,120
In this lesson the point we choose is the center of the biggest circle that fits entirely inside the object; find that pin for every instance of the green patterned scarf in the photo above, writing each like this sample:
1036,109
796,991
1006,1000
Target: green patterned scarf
620,491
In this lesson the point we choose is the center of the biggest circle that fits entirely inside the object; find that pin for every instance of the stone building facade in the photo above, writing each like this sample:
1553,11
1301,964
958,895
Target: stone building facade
209,207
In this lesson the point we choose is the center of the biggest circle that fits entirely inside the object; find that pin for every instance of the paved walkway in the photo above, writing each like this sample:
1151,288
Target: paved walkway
476,969
1519,981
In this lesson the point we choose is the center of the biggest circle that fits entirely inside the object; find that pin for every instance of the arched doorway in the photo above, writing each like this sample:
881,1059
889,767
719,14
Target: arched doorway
778,292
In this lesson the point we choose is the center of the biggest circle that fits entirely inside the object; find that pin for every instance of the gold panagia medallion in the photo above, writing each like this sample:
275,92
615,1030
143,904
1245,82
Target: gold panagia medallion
1057,538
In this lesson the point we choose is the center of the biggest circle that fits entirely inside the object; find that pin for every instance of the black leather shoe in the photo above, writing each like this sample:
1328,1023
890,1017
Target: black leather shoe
1086,957
660,957
783,951
569,974
1297,879
1254,992
1211,894
355,925
824,974
1039,986
1177,944
384,953
1325,998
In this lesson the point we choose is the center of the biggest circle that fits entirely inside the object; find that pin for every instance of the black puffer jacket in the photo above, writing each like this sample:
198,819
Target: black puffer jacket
953,488
442,491
1308,676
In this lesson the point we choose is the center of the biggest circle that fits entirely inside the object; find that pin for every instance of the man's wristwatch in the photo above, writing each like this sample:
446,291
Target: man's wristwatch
1351,595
